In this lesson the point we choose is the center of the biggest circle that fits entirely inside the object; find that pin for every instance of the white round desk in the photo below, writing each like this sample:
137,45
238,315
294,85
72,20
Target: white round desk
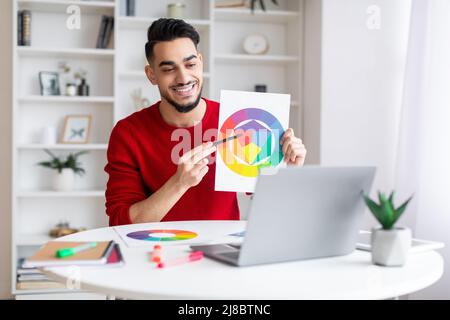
346,277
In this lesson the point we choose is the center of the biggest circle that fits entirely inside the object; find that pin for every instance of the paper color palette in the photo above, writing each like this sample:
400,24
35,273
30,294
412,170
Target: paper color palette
162,235
260,119
174,233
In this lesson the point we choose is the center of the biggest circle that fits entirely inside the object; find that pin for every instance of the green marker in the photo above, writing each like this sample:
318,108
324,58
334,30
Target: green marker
67,252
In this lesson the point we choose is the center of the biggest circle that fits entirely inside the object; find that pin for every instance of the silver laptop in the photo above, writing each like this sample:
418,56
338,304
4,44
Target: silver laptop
300,213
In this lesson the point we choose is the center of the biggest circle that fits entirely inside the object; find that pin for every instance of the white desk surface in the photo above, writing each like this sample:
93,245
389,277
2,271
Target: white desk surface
346,277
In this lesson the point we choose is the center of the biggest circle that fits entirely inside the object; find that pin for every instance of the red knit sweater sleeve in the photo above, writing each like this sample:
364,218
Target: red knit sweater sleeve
125,186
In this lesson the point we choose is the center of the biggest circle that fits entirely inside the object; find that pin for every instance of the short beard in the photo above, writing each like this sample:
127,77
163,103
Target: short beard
186,107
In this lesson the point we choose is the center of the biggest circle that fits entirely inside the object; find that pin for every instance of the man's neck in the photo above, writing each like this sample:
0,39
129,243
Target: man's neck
182,120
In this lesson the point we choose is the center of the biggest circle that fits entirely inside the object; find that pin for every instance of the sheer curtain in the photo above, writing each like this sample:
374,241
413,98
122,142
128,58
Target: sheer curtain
423,159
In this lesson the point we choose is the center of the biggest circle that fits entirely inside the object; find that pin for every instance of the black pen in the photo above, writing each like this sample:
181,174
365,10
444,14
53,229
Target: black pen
215,143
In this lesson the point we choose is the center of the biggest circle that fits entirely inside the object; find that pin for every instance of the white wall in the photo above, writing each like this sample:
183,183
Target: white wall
5,147
362,74
312,81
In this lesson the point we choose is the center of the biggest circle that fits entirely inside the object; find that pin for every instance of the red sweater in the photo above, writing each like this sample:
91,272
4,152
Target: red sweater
139,163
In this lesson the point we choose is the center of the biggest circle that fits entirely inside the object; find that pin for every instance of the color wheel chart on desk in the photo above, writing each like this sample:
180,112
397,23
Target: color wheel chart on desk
162,235
260,120
173,233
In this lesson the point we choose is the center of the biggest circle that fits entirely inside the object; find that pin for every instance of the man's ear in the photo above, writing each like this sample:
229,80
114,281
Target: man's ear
150,74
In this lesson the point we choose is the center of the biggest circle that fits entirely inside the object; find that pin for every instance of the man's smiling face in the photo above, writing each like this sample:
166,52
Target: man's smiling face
177,70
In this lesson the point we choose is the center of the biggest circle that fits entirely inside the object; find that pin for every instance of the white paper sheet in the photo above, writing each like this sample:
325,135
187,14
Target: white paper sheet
260,119
175,233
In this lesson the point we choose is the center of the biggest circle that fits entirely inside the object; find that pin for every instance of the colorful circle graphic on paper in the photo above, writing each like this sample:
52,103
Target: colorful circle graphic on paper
162,235
258,144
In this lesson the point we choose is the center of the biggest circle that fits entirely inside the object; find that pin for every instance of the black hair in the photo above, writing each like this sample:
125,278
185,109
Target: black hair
170,29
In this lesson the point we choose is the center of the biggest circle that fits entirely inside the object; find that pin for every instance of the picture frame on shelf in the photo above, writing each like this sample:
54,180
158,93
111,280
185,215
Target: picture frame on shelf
76,129
49,83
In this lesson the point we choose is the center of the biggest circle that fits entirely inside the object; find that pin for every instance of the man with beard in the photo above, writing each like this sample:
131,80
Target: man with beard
146,183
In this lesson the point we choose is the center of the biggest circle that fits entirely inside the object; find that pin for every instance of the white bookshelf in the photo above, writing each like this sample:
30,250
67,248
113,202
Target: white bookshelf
244,15
113,73
65,53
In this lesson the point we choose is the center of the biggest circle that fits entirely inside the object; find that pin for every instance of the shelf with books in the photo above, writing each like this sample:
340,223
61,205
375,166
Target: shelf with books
60,6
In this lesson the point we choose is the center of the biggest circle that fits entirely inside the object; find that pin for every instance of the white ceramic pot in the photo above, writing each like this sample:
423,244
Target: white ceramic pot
390,248
64,181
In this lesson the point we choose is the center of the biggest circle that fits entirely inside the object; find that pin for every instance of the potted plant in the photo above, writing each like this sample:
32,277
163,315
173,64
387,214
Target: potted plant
65,170
390,245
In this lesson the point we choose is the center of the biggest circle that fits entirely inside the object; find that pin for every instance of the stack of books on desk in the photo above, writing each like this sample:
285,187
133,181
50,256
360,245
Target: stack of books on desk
33,279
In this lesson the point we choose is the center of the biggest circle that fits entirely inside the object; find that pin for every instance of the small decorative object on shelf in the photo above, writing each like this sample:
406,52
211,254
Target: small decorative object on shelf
261,4
390,246
260,88
138,101
49,83
65,170
256,44
63,229
76,129
64,73
176,10
48,135
83,87
71,89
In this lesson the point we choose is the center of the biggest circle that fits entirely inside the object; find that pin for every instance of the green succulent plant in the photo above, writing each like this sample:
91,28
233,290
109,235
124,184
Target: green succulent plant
71,162
261,4
385,211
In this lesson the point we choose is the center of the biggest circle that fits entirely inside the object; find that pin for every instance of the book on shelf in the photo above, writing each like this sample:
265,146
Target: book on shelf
19,28
32,277
108,32
130,7
21,269
24,28
36,285
105,32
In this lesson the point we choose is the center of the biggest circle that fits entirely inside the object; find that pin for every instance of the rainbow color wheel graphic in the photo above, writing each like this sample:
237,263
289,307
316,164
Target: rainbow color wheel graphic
258,145
162,235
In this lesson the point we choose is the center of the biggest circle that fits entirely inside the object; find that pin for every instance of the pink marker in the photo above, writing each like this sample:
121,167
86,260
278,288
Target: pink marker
193,256
156,254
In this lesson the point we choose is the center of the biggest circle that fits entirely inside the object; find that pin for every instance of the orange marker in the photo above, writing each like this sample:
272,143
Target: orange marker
156,254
